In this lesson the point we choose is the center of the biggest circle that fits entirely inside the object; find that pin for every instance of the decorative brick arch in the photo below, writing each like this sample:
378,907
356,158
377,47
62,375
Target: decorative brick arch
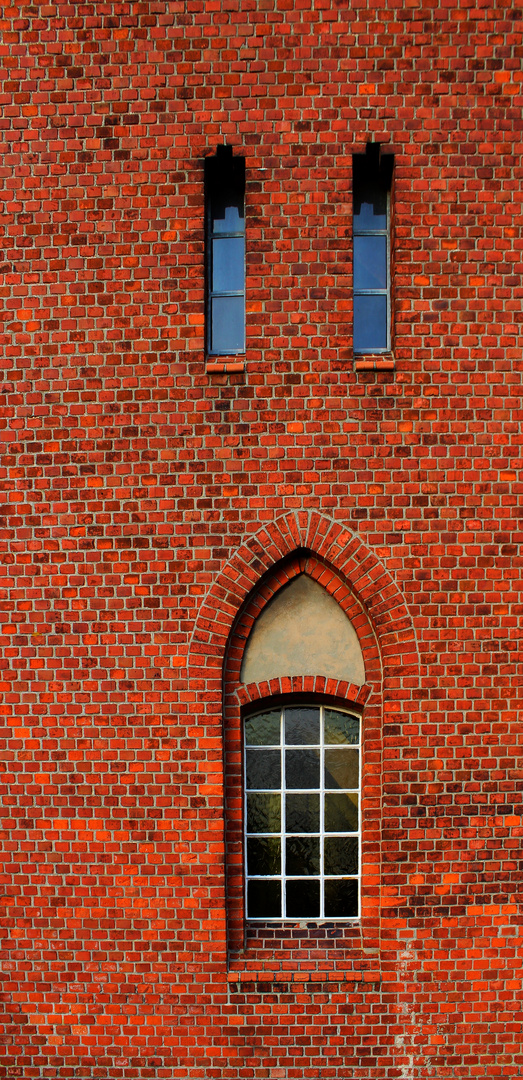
297,543
305,533
301,561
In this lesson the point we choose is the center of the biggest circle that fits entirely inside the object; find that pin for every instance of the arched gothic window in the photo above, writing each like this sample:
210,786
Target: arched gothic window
302,763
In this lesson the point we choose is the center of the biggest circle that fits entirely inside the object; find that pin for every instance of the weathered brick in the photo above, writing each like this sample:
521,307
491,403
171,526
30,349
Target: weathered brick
155,502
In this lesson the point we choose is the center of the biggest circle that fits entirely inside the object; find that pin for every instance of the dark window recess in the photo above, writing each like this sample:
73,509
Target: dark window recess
224,193
372,173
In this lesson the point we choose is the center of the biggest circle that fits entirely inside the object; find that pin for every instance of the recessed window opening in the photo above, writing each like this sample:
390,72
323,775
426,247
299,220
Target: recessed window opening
371,250
302,773
224,193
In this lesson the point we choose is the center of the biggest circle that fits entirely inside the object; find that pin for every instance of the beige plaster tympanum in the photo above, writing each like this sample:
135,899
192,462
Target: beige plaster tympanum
302,631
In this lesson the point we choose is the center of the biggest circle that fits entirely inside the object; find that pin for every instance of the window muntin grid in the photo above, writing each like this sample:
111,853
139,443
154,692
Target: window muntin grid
302,768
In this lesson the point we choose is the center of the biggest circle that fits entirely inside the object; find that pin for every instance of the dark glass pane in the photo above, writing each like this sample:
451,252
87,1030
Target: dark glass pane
302,813
263,729
341,728
341,768
228,273
264,855
263,813
370,262
263,768
302,726
370,208
227,213
370,323
341,855
303,899
263,899
302,854
341,812
228,324
302,768
341,899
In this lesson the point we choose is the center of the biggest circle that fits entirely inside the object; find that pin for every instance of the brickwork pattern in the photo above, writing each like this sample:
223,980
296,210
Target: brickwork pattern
149,496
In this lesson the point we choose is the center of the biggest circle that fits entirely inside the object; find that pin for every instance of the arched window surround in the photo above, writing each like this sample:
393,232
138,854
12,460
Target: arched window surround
238,697
262,563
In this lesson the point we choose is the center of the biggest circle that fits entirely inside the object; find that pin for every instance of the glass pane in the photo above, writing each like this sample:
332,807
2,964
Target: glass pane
302,813
341,899
263,768
370,208
341,812
228,274
302,768
302,854
341,768
341,855
303,899
227,213
228,324
341,728
370,323
263,813
302,726
263,899
263,729
264,855
370,262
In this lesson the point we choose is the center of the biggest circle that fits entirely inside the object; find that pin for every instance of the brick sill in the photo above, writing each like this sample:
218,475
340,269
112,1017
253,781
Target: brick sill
339,957
379,362
224,366
301,975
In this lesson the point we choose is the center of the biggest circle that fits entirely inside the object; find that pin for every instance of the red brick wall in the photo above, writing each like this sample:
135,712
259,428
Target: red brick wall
150,499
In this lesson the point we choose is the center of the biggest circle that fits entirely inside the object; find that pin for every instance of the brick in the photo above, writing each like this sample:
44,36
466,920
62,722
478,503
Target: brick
156,500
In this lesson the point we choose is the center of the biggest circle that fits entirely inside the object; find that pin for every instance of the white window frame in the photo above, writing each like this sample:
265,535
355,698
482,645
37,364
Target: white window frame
283,834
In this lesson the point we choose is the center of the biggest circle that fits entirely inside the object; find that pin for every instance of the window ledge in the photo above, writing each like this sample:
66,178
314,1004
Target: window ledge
224,366
377,362
356,974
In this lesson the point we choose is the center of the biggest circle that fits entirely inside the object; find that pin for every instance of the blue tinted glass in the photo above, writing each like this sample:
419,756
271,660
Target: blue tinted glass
370,208
370,323
227,213
228,324
228,264
370,262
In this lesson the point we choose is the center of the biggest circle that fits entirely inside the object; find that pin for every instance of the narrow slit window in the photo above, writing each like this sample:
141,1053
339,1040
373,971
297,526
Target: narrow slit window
371,251
225,190
302,819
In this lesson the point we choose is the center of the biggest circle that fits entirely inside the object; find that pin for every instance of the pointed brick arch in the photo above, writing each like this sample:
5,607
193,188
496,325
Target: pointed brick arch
301,542
337,548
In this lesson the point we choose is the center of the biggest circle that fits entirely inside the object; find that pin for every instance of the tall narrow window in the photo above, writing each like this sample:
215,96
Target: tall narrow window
371,251
302,837
224,191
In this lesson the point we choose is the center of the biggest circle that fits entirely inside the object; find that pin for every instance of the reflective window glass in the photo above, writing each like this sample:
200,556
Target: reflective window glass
228,324
370,323
227,264
371,253
224,189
